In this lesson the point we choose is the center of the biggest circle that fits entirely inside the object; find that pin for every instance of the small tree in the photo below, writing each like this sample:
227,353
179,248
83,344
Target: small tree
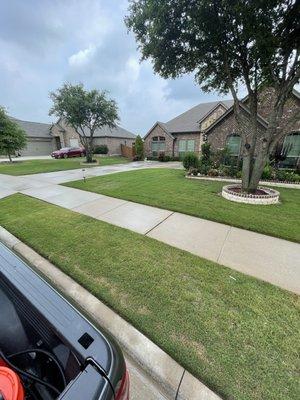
226,44
85,111
139,148
12,137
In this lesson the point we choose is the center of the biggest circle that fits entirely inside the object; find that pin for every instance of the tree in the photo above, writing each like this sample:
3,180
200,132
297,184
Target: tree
12,137
139,147
85,111
226,44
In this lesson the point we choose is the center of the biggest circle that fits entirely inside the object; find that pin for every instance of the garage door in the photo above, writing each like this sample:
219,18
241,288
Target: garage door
38,148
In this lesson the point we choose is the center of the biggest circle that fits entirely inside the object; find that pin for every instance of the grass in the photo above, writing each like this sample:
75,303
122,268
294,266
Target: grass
169,189
37,166
238,335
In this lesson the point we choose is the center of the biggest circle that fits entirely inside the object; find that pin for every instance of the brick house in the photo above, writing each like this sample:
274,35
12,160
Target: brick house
42,138
65,136
215,122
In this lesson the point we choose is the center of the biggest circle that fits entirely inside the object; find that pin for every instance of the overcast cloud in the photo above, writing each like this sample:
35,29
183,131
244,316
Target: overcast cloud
45,43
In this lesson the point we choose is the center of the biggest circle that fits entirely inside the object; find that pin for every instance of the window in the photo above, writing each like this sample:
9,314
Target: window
158,145
186,146
234,144
292,144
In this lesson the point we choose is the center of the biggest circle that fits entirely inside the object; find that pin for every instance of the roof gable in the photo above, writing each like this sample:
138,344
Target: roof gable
162,126
190,119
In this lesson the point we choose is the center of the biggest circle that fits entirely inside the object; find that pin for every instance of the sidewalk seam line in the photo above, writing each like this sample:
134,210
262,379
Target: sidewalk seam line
223,245
150,230
113,209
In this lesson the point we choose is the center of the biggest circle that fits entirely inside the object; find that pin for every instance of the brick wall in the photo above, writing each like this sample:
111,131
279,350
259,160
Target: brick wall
266,101
187,136
218,136
158,131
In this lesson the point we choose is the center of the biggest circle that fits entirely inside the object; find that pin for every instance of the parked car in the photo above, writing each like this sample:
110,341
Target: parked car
48,349
67,152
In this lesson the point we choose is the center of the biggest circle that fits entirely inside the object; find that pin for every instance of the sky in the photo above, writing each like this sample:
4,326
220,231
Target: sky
45,43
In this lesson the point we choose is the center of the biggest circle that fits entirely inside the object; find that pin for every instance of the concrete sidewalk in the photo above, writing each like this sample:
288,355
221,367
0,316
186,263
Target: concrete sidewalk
273,260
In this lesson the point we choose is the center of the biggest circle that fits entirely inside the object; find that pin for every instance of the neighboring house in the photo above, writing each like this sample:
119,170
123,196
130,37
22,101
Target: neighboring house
45,138
39,139
215,123
65,136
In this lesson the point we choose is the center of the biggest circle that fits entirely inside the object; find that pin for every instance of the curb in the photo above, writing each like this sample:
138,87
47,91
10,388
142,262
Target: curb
178,383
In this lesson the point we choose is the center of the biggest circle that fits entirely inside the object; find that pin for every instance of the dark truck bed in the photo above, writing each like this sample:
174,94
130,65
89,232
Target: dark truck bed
51,321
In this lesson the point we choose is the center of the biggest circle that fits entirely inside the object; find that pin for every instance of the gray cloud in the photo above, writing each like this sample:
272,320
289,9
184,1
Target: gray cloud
45,43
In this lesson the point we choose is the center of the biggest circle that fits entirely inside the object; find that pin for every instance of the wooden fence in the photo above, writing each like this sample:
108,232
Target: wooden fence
127,151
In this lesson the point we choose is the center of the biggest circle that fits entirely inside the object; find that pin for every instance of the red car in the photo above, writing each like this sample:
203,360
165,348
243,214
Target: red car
67,152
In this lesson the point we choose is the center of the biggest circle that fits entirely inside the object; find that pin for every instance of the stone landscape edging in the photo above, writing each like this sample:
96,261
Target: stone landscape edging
271,196
178,383
234,180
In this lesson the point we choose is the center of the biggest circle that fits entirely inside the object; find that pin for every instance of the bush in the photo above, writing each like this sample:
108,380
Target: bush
139,148
213,172
161,156
222,157
287,176
206,153
190,160
224,170
193,171
101,149
267,172
203,168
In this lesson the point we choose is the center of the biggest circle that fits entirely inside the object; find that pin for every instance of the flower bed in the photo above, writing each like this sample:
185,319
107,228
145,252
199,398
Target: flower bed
262,196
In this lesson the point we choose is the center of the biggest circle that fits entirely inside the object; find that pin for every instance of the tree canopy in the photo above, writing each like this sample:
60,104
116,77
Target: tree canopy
12,137
85,111
227,44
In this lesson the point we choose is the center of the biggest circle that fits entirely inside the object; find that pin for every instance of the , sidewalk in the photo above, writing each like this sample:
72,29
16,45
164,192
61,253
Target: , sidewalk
25,158
270,259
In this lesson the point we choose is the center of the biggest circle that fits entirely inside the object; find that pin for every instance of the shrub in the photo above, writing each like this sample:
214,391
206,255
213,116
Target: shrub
213,172
139,148
222,157
287,176
224,170
193,171
190,160
161,156
203,168
206,154
267,172
101,149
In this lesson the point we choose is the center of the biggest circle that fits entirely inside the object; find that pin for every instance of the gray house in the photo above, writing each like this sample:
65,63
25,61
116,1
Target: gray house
40,141
45,138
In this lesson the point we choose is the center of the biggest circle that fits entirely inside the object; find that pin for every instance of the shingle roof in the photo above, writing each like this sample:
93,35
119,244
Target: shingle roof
189,120
117,132
34,129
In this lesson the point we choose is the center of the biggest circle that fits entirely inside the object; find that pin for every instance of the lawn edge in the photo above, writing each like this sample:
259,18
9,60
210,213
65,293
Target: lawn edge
174,209
176,381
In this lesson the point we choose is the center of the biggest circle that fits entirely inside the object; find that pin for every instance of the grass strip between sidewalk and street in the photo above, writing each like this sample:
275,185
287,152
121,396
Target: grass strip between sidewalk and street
40,166
238,335
169,189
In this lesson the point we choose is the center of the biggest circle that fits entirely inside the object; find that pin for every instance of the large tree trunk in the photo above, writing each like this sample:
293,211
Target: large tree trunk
9,156
89,150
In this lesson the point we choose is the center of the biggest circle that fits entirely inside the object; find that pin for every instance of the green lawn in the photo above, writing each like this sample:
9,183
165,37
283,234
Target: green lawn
168,188
37,166
237,334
